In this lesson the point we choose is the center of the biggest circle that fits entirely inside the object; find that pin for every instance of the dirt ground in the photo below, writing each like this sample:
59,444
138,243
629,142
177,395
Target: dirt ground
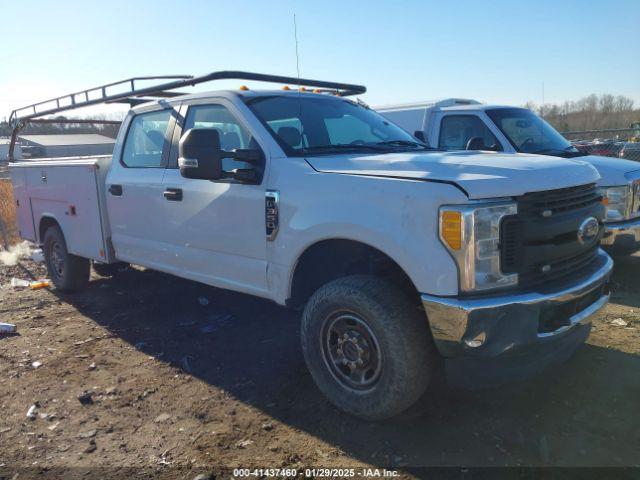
180,375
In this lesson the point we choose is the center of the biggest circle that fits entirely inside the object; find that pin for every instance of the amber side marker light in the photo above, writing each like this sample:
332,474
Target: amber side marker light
451,228
244,88
605,200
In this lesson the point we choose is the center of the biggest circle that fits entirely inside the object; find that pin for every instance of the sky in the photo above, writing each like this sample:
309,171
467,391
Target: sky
505,52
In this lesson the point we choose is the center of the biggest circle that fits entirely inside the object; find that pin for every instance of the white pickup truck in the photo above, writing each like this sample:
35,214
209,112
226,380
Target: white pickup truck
401,255
463,124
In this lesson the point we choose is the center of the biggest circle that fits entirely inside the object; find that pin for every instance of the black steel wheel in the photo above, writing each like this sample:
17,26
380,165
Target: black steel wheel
69,273
367,346
351,351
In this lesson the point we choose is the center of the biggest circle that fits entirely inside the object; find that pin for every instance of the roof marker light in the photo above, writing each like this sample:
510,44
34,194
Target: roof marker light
244,88
286,87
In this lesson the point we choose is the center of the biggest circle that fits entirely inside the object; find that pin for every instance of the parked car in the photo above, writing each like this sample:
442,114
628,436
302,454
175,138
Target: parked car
605,147
463,124
630,151
399,254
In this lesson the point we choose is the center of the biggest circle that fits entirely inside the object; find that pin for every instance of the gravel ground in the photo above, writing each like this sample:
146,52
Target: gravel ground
153,372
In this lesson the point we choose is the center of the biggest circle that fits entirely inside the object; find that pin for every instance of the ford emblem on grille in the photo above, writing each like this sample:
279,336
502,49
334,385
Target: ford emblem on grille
588,230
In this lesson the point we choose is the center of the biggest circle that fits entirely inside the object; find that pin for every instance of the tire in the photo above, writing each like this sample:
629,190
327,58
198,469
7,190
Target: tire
388,350
109,269
69,273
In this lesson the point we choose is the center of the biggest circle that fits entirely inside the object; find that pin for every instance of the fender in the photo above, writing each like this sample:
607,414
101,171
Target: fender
398,217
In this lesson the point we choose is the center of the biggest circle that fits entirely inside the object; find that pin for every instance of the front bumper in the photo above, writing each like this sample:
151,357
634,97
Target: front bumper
529,329
622,236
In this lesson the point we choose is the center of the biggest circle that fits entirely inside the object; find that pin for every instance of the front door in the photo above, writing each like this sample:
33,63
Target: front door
217,228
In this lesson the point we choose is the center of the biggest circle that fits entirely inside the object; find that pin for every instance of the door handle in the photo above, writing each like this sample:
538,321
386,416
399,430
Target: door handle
173,194
115,190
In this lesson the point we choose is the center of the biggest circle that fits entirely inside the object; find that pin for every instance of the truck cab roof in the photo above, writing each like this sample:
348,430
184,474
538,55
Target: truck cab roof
448,104
234,95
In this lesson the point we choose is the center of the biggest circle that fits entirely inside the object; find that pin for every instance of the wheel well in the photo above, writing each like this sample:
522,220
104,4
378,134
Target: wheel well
45,223
331,259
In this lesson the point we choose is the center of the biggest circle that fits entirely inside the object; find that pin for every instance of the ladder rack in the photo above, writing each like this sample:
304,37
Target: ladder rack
100,94
91,96
135,94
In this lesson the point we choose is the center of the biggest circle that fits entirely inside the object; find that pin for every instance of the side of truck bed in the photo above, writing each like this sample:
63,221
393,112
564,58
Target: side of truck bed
70,192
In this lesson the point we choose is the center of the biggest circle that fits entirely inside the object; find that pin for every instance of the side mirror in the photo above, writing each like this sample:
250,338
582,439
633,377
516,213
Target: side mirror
419,134
200,155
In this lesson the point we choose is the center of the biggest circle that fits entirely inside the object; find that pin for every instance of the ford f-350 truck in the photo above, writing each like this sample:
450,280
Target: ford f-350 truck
400,255
464,124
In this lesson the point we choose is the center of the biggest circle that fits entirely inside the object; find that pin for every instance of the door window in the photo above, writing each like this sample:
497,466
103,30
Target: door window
145,140
457,130
232,134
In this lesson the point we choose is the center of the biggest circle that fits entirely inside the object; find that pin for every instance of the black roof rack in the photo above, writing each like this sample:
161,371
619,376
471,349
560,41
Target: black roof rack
136,94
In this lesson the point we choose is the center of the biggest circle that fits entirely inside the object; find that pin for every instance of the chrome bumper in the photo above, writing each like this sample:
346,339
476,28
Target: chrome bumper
491,326
625,234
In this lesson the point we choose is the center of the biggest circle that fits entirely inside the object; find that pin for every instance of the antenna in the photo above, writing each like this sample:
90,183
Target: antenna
542,115
295,37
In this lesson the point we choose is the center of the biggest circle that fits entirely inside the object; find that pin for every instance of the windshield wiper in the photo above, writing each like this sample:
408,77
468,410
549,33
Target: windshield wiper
343,146
405,143
566,153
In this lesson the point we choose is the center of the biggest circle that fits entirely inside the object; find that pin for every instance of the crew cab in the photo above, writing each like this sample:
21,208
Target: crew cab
401,256
463,124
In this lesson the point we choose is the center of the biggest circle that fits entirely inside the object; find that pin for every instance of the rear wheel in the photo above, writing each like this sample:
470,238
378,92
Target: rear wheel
69,273
367,346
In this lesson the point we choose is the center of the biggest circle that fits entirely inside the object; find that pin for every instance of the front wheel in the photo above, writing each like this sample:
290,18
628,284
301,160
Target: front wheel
367,346
69,273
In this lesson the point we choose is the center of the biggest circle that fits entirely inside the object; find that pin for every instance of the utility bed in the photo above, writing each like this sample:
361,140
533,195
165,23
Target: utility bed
69,191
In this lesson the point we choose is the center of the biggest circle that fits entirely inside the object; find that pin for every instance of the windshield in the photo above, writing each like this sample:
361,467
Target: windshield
317,125
528,133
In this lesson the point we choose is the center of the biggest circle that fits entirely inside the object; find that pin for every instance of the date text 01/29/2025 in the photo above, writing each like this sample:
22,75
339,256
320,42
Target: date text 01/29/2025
316,472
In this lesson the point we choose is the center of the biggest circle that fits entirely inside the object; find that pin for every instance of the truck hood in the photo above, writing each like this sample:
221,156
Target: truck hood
480,175
613,171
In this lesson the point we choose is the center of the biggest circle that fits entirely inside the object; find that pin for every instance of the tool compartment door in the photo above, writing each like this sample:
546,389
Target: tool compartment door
67,193
24,219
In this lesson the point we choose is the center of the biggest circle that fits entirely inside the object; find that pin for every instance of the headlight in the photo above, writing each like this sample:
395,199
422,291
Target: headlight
618,202
471,233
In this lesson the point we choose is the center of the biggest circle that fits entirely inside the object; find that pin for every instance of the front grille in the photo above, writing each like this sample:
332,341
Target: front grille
511,243
563,200
534,274
540,243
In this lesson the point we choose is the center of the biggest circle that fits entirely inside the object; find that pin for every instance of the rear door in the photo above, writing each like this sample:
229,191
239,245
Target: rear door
216,229
134,194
